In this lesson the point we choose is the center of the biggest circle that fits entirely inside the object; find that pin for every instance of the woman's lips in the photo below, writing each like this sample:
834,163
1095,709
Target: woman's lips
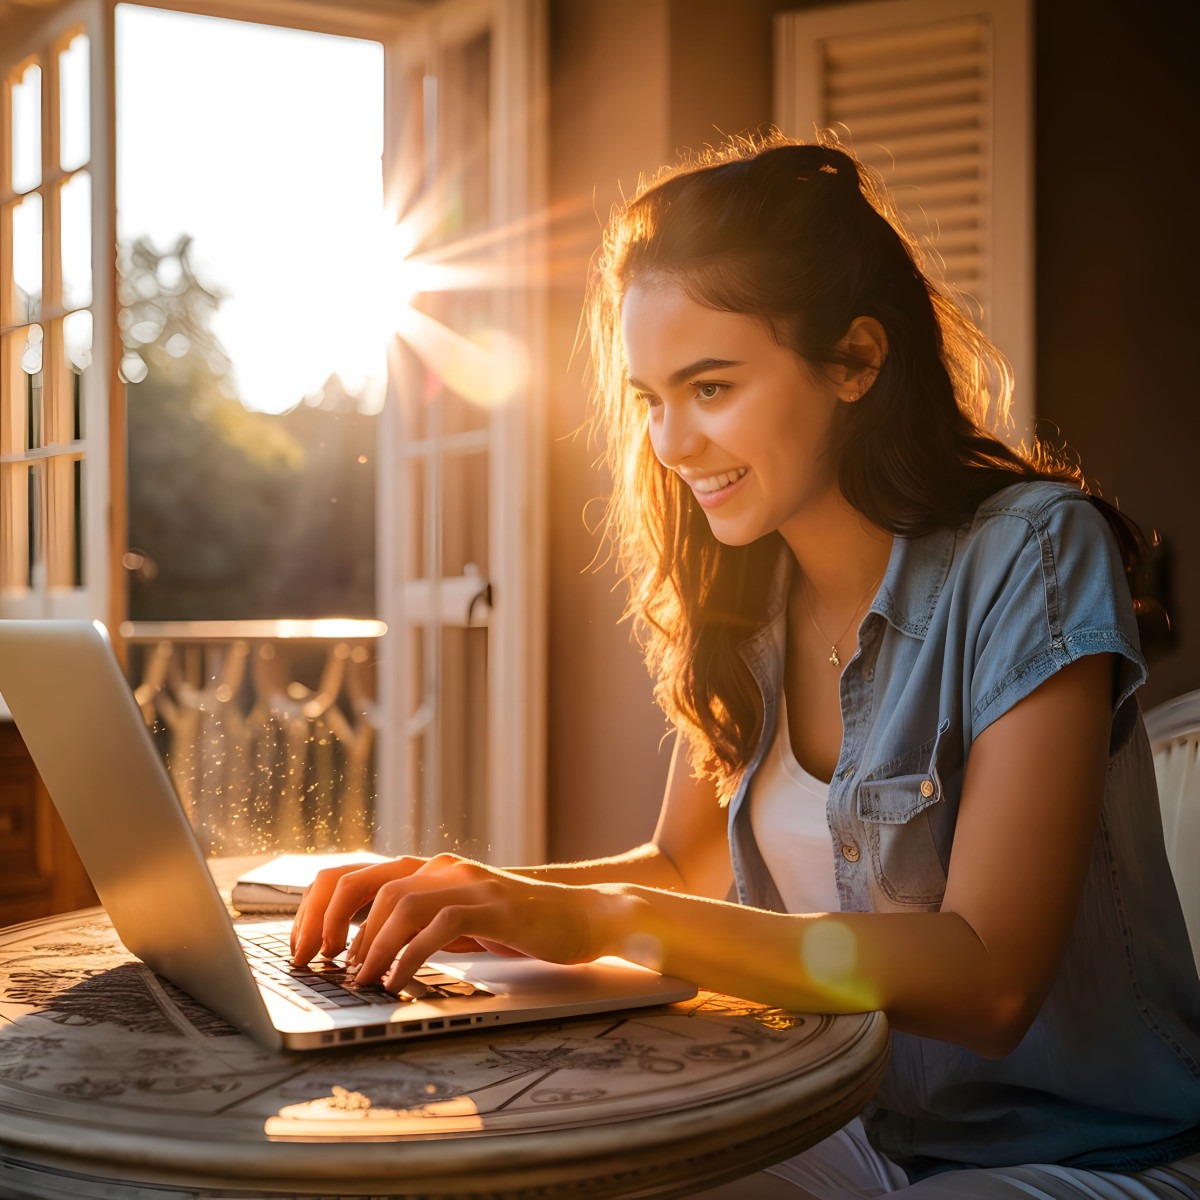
708,496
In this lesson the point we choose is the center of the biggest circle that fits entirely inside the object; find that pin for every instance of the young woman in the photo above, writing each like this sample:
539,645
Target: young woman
901,661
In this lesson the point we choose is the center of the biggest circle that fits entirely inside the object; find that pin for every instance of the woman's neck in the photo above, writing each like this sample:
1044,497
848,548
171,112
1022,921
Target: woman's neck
840,554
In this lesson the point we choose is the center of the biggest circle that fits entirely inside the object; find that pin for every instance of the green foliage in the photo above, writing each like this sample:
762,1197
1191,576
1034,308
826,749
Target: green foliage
233,514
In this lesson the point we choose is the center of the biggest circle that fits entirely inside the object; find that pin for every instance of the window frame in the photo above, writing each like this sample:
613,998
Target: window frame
102,446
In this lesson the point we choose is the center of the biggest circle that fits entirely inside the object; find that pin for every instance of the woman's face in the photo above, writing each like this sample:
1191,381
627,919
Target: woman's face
744,421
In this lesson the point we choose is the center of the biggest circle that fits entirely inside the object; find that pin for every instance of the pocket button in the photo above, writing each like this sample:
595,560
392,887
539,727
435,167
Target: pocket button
926,788
849,852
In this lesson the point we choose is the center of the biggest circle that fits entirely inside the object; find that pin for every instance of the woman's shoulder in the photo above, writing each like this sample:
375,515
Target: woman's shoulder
1045,518
1036,502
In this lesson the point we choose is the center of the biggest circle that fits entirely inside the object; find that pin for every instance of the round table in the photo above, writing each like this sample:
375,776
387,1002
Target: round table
115,1084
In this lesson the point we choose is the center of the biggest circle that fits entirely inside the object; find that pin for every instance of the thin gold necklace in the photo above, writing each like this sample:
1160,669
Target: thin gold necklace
834,658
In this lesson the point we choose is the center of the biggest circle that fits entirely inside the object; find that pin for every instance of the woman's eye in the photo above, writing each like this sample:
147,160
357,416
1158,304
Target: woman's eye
709,391
648,399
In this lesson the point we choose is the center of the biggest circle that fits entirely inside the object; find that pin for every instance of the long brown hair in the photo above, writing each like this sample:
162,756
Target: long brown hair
804,238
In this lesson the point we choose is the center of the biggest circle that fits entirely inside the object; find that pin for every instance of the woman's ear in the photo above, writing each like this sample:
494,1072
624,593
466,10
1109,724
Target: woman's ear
865,345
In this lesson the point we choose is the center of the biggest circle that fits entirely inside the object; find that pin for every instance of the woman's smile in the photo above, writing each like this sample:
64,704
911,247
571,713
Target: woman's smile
711,490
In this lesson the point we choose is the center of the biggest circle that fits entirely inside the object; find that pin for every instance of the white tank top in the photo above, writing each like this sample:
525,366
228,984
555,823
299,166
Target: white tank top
787,815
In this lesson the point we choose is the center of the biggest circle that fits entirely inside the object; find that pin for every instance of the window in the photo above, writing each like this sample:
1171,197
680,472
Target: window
55,288
460,504
936,96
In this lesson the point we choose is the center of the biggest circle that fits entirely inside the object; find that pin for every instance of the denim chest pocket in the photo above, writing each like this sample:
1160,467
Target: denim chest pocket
901,805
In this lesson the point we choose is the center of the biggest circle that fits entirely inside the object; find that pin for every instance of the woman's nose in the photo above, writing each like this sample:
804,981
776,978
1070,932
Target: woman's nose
675,435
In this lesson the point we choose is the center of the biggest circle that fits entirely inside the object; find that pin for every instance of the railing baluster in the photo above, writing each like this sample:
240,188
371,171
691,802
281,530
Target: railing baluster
262,761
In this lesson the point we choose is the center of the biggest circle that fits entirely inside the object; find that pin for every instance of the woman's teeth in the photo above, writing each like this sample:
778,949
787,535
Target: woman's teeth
714,483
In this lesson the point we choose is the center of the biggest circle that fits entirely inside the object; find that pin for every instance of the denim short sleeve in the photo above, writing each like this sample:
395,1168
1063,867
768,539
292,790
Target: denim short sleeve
1051,589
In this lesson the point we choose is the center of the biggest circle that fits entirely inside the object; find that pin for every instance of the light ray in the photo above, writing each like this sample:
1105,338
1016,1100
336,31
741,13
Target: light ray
486,365
489,369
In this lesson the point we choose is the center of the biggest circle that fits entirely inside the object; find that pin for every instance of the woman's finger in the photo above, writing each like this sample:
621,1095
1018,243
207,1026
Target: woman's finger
351,892
404,912
447,924
435,874
306,924
323,918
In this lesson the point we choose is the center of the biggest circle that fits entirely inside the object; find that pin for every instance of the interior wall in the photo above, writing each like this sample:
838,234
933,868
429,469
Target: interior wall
631,83
1117,251
608,123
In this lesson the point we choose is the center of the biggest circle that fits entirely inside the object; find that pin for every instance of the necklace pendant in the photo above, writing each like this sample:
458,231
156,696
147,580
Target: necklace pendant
834,660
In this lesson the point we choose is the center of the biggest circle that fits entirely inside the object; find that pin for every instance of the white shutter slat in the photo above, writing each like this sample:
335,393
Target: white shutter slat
849,76
944,38
922,95
915,146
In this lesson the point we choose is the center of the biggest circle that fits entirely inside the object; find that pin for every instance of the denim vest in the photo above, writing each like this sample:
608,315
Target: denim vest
966,623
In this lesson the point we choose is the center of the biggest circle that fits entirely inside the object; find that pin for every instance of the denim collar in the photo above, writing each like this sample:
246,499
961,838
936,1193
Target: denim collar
916,573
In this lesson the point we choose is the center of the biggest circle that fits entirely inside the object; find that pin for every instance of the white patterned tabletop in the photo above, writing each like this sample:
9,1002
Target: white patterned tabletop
115,1084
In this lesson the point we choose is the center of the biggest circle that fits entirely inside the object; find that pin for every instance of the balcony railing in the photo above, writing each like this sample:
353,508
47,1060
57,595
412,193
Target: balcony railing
267,727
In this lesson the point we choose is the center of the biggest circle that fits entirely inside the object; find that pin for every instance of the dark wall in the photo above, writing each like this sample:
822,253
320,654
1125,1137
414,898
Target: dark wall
1117,256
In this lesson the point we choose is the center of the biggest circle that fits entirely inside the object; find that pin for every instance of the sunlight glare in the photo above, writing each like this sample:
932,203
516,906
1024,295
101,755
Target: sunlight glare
489,367
829,951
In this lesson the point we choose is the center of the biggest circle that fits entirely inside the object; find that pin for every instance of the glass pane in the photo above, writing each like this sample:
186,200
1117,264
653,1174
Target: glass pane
77,563
469,365
465,515
27,259
34,563
27,129
62,522
450,326
74,133
31,367
463,729
77,241
463,98
416,504
77,346
14,497
77,338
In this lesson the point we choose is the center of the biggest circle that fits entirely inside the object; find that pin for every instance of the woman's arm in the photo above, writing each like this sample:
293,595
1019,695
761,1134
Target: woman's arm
974,973
688,853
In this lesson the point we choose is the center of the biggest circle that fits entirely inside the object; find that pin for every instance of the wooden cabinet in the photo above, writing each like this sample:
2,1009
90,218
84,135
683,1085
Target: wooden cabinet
40,873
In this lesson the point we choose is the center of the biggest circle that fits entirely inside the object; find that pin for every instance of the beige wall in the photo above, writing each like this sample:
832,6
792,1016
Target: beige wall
631,82
608,123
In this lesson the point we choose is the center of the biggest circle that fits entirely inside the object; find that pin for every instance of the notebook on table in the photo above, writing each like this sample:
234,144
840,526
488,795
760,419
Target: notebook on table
77,715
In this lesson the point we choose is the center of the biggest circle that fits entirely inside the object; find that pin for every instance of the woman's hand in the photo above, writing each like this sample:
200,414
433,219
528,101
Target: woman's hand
420,906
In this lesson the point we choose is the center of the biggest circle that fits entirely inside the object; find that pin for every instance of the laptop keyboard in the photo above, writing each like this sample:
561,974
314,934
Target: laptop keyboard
325,984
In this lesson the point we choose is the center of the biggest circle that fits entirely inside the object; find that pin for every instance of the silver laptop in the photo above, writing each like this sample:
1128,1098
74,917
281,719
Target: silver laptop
77,715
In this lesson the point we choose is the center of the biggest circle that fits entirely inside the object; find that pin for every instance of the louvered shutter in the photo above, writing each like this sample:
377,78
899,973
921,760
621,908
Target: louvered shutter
934,94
